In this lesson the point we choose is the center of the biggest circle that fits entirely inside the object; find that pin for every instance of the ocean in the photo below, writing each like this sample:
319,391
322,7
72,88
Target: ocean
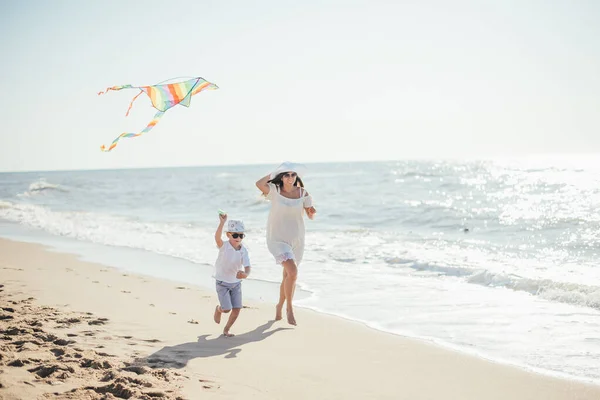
497,258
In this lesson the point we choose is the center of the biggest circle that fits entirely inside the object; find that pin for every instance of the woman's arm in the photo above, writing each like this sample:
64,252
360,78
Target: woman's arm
308,207
262,184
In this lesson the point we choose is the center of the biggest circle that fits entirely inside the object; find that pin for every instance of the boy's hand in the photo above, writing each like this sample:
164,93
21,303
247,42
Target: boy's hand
223,217
241,275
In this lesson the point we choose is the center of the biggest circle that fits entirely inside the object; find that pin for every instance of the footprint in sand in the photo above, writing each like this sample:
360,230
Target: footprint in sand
138,369
63,342
67,322
98,321
206,384
14,269
44,371
57,352
18,363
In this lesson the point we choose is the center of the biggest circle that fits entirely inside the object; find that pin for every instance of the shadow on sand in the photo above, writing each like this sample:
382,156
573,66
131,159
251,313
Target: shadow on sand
178,356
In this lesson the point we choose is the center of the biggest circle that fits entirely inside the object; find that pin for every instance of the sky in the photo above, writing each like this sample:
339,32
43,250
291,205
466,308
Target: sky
310,81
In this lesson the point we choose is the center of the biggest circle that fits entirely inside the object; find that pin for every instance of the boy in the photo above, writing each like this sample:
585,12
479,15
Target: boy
228,274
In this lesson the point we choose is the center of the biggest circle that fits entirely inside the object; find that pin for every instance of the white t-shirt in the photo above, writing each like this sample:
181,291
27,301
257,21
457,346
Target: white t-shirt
229,262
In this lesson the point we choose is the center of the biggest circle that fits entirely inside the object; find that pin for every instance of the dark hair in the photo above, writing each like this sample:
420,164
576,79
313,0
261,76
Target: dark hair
278,180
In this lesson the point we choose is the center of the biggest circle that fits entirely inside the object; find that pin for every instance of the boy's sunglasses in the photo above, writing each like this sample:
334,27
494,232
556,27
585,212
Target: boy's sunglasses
237,235
290,175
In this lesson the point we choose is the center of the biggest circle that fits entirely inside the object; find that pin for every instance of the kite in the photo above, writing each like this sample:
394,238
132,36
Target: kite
163,97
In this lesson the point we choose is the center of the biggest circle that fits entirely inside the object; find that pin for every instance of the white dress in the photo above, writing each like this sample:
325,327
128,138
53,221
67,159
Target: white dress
285,226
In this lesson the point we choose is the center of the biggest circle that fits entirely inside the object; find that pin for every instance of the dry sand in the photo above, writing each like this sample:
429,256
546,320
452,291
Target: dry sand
76,330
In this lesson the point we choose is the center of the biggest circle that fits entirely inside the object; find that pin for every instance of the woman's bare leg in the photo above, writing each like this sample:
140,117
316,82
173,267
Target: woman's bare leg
289,285
279,305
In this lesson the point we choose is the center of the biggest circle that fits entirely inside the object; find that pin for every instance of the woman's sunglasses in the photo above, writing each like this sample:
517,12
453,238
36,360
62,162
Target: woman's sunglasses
290,175
237,235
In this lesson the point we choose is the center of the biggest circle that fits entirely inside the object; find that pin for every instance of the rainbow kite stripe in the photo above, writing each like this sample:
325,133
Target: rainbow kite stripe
163,97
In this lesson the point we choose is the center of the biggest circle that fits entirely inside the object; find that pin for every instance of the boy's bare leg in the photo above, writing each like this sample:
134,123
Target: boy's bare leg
289,288
232,317
279,306
217,316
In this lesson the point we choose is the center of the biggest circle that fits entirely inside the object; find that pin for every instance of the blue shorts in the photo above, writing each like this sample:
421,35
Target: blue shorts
230,295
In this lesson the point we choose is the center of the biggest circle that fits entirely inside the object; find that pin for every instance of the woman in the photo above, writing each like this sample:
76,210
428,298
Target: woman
285,227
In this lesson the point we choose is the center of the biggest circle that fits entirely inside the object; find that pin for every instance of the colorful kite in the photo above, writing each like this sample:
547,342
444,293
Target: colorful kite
163,97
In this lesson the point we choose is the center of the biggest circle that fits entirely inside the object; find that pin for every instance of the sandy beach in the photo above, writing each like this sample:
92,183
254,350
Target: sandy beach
76,330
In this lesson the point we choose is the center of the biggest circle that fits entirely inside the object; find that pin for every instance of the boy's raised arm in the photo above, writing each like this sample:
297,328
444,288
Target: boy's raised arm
219,231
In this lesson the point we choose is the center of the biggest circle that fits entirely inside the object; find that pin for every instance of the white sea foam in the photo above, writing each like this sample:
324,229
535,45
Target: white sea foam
41,186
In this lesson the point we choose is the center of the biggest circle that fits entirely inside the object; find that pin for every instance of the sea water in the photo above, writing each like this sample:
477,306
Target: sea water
497,258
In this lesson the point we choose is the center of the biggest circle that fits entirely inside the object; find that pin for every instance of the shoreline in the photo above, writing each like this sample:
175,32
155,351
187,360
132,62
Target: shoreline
109,262
319,346
431,341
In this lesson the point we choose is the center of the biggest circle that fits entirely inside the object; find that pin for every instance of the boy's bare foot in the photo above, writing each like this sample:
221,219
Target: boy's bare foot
278,309
217,316
290,317
227,334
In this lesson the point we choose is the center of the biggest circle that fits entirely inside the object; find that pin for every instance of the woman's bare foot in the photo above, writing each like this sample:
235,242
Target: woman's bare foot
290,317
217,316
227,334
278,309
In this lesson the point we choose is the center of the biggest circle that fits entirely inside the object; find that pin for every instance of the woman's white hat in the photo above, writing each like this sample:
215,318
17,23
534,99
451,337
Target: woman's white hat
287,166
234,225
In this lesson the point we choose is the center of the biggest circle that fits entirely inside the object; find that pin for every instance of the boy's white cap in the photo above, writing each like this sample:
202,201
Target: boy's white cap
287,166
234,225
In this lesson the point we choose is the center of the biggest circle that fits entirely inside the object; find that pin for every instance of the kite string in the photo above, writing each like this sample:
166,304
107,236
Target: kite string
179,77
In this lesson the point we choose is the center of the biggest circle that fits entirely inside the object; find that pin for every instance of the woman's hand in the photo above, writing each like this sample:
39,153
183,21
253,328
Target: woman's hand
310,212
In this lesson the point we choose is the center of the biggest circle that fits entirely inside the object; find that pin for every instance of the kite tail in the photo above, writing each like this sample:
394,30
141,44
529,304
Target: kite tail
115,88
148,128
131,103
